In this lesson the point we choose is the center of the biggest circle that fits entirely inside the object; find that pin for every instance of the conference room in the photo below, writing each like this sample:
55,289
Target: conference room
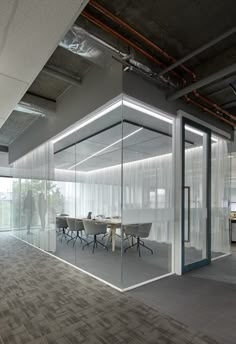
100,195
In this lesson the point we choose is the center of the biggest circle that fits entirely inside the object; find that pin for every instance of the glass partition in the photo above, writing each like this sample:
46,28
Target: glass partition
220,198
5,203
34,199
100,195
147,196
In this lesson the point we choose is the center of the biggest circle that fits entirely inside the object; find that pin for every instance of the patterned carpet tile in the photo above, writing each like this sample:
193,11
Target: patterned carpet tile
45,301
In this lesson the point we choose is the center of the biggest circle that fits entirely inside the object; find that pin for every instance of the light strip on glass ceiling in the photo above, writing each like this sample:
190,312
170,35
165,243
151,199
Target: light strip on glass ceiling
147,111
131,104
198,132
102,150
90,120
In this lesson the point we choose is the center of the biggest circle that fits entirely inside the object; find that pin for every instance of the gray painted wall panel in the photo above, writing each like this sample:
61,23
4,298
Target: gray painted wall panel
137,87
98,87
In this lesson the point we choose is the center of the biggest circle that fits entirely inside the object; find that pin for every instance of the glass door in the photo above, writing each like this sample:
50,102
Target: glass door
196,201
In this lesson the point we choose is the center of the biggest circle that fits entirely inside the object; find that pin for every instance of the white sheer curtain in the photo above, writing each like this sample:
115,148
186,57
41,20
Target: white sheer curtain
34,197
147,194
220,197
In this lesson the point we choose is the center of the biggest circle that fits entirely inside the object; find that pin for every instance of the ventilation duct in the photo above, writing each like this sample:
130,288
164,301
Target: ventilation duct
80,42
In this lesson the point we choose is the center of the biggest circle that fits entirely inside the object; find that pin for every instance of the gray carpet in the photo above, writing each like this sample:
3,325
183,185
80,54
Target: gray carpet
122,273
45,301
203,299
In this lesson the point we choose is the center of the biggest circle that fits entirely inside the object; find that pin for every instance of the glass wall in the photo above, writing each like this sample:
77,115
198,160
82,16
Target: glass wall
118,171
5,203
220,198
100,195
35,198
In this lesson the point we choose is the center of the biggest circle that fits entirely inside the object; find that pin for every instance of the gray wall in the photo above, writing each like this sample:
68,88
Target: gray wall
98,87
139,88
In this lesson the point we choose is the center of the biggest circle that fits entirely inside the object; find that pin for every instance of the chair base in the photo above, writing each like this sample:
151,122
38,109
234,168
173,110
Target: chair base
95,243
63,234
138,244
75,239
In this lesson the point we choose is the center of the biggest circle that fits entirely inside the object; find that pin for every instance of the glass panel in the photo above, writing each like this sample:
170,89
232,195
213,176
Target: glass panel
147,196
195,191
33,214
5,203
98,195
88,179
220,196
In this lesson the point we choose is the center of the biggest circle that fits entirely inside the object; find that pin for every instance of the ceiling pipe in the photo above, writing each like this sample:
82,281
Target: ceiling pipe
119,21
203,82
199,50
209,111
61,75
132,30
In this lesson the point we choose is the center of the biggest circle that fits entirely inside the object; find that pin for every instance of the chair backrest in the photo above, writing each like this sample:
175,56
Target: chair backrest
89,216
71,223
61,222
141,230
91,227
144,230
131,229
79,225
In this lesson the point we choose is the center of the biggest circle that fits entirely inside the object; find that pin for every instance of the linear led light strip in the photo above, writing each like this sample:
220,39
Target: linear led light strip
162,156
90,120
147,111
198,132
110,108
102,150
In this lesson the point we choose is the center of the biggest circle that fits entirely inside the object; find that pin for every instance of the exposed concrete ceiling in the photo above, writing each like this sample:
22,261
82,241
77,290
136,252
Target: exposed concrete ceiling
177,27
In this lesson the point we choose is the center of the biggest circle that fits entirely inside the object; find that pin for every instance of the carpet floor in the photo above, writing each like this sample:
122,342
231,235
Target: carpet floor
45,301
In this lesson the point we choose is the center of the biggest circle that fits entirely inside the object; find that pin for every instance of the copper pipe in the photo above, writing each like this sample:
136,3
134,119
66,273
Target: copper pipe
126,40
216,106
208,110
157,48
138,34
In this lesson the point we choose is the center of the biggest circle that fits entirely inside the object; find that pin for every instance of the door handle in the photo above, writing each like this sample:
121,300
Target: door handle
188,190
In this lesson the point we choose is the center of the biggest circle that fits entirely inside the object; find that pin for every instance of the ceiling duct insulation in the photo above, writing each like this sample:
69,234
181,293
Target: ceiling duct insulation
80,42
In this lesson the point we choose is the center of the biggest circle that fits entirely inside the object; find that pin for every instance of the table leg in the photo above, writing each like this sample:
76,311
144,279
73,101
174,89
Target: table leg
108,237
113,230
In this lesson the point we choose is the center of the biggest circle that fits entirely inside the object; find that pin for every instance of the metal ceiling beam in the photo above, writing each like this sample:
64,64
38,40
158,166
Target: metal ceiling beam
229,105
62,75
203,82
198,51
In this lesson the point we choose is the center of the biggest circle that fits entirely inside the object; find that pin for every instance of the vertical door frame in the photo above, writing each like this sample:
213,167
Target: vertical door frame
207,260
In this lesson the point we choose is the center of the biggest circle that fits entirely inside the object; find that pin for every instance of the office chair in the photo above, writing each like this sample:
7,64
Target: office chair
75,225
93,228
138,231
61,225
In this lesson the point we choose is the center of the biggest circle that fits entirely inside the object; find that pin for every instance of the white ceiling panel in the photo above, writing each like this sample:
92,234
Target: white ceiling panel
30,31
10,89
